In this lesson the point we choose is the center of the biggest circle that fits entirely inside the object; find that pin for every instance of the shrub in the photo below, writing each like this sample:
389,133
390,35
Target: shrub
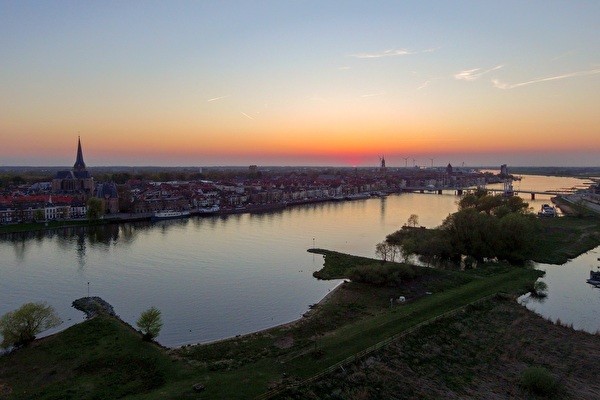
387,274
538,380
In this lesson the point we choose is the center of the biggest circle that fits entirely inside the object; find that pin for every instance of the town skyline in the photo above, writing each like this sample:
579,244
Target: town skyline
300,84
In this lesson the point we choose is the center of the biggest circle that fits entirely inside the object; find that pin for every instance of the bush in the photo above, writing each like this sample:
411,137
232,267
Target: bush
380,275
539,289
538,380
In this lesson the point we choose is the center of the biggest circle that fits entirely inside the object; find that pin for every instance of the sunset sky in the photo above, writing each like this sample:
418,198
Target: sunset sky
196,83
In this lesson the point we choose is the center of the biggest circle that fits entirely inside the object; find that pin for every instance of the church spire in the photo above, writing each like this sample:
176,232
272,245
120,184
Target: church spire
79,164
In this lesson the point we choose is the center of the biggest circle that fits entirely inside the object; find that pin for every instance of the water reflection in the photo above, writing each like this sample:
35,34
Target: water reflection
81,250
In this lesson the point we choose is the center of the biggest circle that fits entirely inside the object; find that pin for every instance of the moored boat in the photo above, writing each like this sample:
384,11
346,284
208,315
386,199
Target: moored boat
209,210
169,214
594,278
547,211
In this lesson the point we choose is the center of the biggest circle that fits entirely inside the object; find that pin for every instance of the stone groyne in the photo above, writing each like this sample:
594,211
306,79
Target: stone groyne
93,306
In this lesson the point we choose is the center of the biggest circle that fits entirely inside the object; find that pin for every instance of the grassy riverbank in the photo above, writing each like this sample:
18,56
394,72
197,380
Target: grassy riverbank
561,239
105,356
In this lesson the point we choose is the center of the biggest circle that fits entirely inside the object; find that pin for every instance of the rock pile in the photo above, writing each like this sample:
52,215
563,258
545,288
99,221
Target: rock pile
93,306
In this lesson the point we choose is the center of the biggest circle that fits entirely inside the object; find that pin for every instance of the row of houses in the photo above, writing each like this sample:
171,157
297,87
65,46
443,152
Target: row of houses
142,196
24,209
147,197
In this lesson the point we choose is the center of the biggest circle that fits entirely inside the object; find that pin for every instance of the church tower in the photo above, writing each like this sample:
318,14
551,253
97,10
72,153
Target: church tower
79,164
75,181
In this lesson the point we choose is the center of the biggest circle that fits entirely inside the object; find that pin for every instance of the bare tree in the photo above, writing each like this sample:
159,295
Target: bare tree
382,250
413,220
394,251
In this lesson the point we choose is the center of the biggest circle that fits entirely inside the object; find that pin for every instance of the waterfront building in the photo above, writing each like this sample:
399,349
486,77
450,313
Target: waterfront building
7,214
107,192
76,180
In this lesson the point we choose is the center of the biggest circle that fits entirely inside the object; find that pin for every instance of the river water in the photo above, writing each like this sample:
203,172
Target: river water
217,277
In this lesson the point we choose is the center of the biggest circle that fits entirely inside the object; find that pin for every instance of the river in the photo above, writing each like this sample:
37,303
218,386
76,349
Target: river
216,277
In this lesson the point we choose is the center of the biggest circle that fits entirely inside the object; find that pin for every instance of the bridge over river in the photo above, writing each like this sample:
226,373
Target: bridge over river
460,190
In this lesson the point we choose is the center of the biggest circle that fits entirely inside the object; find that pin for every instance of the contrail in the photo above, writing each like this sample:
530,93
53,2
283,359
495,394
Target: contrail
246,115
218,98
502,85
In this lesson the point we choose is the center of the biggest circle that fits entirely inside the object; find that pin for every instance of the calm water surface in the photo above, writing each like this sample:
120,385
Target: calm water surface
570,298
211,277
220,276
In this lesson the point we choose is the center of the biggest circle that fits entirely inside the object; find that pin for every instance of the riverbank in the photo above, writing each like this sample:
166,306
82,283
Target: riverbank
41,226
138,217
579,204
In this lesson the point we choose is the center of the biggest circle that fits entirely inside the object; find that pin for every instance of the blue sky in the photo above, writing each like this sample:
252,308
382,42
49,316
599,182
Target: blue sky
300,82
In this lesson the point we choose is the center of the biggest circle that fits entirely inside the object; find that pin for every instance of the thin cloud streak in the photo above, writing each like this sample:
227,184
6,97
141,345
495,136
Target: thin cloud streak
372,94
424,85
218,98
564,55
247,116
501,85
474,74
390,53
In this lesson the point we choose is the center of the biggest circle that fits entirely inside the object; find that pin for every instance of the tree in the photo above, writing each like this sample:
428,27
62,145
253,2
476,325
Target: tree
382,250
38,215
472,233
394,250
150,323
516,231
95,208
413,220
19,327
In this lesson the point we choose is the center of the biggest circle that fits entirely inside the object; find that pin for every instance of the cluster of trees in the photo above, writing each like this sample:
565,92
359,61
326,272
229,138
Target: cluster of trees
486,226
389,250
10,180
